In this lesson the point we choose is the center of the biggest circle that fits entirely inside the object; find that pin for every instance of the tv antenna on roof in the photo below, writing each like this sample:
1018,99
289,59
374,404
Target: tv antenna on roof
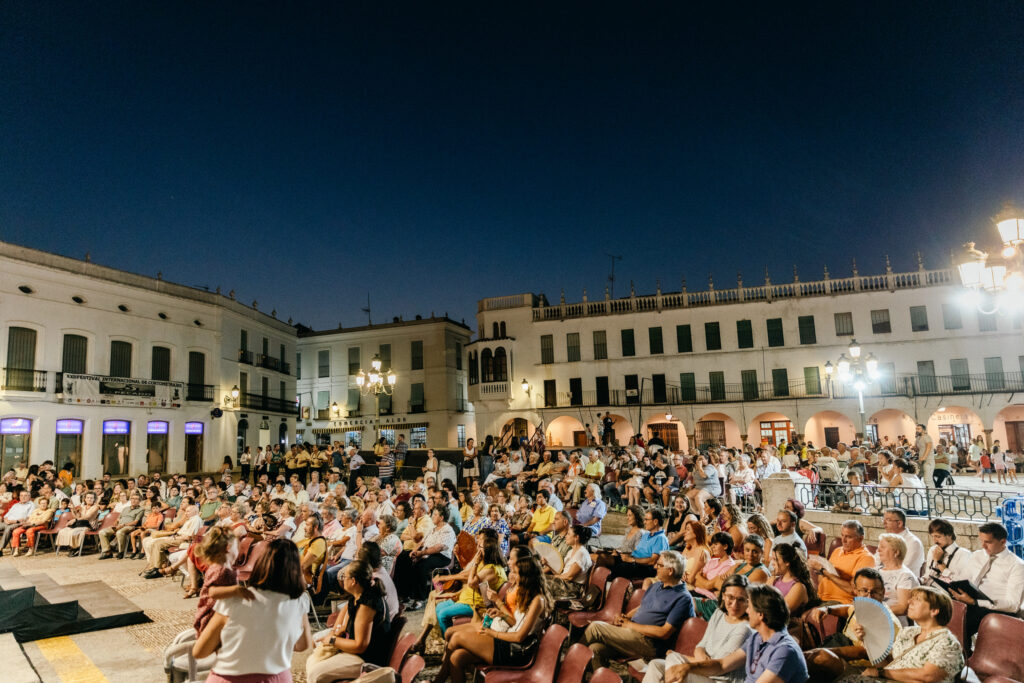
611,277
366,310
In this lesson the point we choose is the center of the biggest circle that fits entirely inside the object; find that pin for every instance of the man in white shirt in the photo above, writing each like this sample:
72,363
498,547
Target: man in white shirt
515,464
895,522
786,522
997,573
296,495
553,500
17,514
369,530
947,561
925,454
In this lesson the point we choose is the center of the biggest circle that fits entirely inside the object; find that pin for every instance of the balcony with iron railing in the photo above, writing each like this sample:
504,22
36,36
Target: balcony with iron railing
270,404
420,407
16,379
245,357
200,393
768,292
899,386
272,363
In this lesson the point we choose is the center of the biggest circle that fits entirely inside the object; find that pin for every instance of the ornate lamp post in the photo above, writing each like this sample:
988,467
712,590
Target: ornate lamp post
992,287
856,371
376,382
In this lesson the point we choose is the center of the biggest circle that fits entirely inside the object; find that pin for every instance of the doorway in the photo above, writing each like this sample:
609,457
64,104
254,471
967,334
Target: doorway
960,435
1014,436
831,436
15,435
667,432
774,432
710,433
156,446
116,437
68,445
579,439
193,446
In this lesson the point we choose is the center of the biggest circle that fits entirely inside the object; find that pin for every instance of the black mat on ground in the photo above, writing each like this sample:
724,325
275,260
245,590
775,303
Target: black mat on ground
34,606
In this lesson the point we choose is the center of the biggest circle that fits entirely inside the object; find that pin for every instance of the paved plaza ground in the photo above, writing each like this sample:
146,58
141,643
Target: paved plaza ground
133,654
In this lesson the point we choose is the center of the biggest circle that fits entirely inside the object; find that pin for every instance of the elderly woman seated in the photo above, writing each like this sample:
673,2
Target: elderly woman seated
37,520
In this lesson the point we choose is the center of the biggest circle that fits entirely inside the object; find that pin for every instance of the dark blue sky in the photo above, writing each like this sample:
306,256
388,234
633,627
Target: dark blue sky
306,153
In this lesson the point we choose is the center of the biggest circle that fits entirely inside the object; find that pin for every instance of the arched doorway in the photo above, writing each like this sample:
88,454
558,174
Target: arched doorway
565,431
622,428
669,429
770,429
887,426
243,432
514,429
1008,428
717,429
958,425
828,428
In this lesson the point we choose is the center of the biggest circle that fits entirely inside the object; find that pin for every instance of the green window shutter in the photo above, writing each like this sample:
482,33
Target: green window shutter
76,348
628,343
687,386
600,345
684,340
780,382
717,385
547,349
748,379
416,353
161,364
572,346
745,334
775,335
712,336
353,360
808,335
654,336
812,381
120,359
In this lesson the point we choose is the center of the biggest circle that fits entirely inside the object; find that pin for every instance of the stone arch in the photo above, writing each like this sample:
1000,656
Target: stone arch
714,429
1008,428
565,431
665,425
819,428
890,424
776,427
956,424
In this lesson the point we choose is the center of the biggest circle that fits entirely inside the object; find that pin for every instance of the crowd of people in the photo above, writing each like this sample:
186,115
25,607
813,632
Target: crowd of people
511,547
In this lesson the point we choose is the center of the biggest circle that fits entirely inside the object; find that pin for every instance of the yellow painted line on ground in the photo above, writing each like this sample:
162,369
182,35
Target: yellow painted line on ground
67,659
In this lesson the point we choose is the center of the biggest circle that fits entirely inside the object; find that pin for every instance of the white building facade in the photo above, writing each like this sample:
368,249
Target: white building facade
124,373
428,405
748,364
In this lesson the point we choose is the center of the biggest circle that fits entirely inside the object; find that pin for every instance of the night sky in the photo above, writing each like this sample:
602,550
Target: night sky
305,154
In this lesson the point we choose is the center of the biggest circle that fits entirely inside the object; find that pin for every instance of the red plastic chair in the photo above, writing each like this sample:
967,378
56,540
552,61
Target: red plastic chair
836,543
412,668
817,546
996,650
109,521
690,633
612,606
540,670
956,623
245,571
52,532
605,675
575,664
400,650
634,600
243,550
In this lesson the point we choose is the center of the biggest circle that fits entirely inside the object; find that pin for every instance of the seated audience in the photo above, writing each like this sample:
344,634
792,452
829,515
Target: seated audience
947,561
997,573
413,568
895,521
571,582
837,586
898,578
727,632
719,566
37,520
647,630
792,578
641,562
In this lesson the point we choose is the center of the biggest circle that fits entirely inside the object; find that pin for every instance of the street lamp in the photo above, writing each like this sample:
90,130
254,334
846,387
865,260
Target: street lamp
525,385
856,371
1002,283
378,382
231,398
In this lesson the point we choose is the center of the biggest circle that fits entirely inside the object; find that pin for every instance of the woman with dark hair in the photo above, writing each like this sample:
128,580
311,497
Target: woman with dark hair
255,631
506,639
712,515
727,631
571,582
793,579
361,634
719,566
695,549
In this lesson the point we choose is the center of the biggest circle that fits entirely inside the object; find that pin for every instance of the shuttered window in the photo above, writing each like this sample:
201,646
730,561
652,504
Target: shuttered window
880,323
654,336
21,348
951,318
748,378
717,385
76,351
196,367
745,334
780,382
547,350
353,360
712,336
628,343
844,324
416,396
918,318
600,345
808,335
775,334
161,364
323,362
572,346
416,352
120,359
812,380
684,339
385,356
687,386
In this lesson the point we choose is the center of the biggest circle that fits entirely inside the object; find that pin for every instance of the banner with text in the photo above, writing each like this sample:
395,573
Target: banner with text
121,391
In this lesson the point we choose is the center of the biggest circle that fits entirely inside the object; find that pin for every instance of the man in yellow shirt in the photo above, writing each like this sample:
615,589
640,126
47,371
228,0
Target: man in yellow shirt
419,526
592,473
838,586
543,517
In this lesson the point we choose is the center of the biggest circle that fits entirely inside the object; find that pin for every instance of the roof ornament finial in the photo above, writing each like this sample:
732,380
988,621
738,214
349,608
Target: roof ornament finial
888,265
632,288
658,286
854,267
711,282
159,275
796,275
607,293
254,303
232,294
683,281
218,289
563,296
739,280
826,272
920,261
584,294
767,277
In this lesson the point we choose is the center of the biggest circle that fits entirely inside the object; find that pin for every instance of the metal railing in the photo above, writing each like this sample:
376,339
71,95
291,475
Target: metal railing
460,405
951,502
199,392
888,281
420,407
16,379
272,363
271,404
245,356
